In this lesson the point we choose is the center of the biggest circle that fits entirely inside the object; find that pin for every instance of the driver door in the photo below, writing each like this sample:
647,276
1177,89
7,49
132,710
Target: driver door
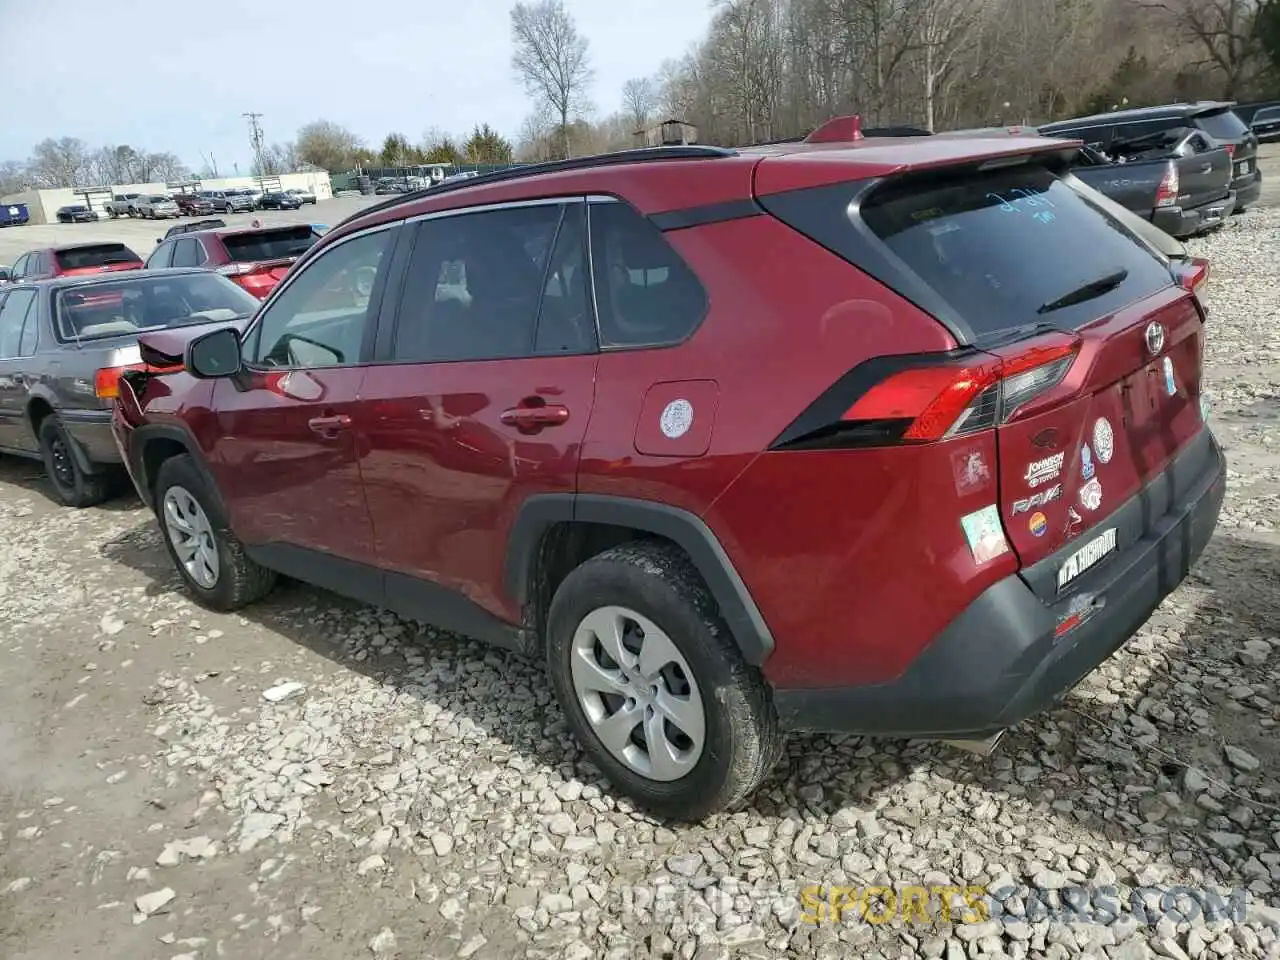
286,459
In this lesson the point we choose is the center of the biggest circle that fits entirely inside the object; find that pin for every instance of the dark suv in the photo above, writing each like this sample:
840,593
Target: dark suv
881,436
1216,119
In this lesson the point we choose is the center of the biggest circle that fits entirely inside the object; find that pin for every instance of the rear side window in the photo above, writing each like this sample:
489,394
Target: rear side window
99,255
1222,125
645,294
1005,247
269,244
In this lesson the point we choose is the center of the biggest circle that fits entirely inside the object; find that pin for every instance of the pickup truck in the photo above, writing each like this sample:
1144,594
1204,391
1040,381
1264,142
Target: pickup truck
123,205
1175,179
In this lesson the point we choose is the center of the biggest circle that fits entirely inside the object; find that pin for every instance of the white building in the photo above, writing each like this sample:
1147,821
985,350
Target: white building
43,205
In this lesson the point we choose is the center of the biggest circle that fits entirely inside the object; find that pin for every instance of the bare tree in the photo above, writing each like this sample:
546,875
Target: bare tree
66,162
327,145
1227,31
638,101
945,31
551,59
14,177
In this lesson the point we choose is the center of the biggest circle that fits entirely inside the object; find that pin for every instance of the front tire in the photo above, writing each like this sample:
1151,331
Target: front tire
208,556
654,687
73,486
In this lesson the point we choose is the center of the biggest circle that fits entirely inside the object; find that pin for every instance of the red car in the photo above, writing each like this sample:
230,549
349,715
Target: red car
255,258
77,259
895,436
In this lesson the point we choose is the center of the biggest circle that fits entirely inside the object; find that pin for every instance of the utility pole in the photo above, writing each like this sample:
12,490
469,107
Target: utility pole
255,138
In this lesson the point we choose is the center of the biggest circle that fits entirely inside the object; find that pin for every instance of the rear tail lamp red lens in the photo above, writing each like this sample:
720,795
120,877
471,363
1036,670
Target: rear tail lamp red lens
106,382
1167,192
940,400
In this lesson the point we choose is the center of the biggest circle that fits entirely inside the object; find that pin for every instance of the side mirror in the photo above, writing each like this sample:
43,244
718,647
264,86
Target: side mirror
214,355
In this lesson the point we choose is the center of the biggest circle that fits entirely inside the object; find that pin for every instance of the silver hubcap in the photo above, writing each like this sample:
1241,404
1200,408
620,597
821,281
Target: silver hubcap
192,536
638,693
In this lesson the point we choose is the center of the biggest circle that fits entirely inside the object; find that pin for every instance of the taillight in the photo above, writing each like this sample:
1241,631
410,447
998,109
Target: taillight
1167,192
251,277
106,382
934,399
1231,150
1194,277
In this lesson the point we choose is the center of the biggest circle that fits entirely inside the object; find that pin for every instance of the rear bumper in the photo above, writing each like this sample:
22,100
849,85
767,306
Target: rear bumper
1187,221
999,662
91,430
1248,188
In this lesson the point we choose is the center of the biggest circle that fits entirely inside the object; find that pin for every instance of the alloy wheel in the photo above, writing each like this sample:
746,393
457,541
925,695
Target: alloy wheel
638,693
192,536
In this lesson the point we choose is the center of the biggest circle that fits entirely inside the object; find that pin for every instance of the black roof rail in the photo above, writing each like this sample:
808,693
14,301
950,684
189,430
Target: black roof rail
687,152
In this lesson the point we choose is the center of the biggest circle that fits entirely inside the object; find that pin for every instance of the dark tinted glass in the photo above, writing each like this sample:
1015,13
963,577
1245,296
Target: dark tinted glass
128,307
565,321
1222,125
274,244
98,255
1000,246
645,294
474,285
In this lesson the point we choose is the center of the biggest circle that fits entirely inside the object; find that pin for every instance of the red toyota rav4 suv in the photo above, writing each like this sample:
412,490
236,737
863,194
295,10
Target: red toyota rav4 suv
882,436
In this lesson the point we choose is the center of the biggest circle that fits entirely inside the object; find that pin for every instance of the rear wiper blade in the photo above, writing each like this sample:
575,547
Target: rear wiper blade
1086,291
1013,334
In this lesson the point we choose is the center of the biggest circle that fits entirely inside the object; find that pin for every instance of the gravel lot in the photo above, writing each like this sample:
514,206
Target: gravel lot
165,794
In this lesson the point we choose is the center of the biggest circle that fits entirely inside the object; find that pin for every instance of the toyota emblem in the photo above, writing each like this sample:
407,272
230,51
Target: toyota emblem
1155,337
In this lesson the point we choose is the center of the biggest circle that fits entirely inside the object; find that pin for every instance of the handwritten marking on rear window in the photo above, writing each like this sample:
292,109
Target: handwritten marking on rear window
1022,197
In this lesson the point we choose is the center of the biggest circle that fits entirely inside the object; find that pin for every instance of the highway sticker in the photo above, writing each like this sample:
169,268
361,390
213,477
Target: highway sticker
1104,440
1086,463
676,419
1087,556
1170,385
1042,471
984,534
1091,495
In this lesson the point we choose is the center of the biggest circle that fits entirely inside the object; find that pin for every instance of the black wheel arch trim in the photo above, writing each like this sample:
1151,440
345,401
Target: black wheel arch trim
138,441
685,529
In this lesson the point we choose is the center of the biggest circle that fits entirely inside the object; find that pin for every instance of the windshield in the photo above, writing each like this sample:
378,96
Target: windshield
1223,125
99,255
129,307
274,244
998,246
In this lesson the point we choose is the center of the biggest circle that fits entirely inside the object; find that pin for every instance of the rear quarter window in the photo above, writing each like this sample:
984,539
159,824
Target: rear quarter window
99,255
999,247
1222,125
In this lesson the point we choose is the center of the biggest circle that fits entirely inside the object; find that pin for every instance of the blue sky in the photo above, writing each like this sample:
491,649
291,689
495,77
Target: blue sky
171,76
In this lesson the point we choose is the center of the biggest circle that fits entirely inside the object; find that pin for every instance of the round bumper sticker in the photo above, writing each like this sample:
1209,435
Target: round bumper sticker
1104,440
1038,524
1091,495
677,418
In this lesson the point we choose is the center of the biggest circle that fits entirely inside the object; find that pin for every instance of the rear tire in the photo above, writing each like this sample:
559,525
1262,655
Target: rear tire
73,486
207,555
720,736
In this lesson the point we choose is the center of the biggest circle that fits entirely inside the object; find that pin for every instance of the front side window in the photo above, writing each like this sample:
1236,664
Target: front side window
186,253
645,294
321,317
14,311
475,283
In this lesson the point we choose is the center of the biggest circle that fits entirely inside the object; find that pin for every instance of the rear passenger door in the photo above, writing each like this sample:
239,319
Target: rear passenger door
482,398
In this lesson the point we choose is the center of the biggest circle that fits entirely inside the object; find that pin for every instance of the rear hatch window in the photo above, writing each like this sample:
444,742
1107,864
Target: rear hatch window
1012,247
1222,125
274,244
99,255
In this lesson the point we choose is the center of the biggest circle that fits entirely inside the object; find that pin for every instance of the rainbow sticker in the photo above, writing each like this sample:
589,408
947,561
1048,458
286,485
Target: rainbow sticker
1037,524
